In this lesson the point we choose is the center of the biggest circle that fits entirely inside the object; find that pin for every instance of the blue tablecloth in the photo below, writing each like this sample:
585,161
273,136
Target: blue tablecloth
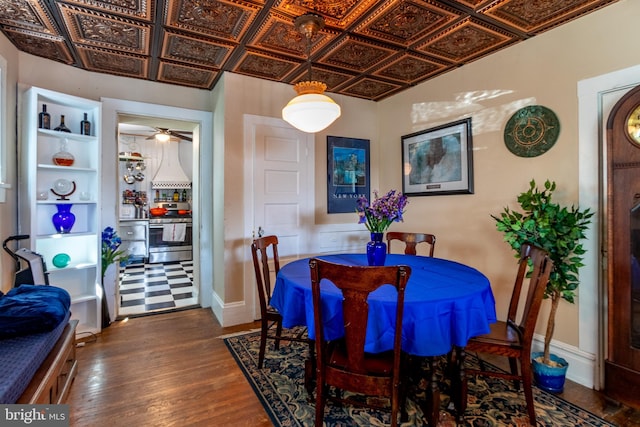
446,303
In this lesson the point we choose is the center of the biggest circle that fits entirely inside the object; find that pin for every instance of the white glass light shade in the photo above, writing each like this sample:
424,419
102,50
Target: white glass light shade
311,112
162,137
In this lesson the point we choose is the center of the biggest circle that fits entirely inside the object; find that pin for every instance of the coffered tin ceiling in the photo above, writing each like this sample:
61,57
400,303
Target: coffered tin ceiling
369,49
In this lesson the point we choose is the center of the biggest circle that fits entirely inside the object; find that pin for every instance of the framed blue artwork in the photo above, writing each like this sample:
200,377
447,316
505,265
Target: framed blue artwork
347,172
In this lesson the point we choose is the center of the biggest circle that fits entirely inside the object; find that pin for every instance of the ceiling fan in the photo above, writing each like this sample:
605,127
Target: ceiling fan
166,134
161,134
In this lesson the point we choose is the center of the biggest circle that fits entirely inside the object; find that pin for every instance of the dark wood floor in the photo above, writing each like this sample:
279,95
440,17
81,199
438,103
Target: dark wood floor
172,370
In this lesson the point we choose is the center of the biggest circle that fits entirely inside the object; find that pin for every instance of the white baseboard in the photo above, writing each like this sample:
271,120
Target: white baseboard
582,369
216,306
230,314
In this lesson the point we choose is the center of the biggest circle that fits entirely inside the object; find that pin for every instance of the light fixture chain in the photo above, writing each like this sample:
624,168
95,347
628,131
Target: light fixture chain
309,36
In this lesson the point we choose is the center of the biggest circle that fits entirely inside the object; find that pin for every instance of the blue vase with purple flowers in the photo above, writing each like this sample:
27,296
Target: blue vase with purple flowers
377,216
376,250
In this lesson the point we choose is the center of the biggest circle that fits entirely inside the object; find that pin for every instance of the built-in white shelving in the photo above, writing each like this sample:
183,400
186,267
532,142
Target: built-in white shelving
81,277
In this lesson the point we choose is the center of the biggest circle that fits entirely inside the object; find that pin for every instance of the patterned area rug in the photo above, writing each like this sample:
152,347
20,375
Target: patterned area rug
492,402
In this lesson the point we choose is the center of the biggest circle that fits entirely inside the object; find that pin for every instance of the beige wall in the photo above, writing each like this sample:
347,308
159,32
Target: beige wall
8,210
246,95
543,70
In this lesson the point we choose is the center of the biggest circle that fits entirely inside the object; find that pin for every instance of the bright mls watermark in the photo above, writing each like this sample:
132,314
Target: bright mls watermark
34,415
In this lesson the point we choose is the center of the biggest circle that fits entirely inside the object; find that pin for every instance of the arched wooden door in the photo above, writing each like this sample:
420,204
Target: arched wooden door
622,364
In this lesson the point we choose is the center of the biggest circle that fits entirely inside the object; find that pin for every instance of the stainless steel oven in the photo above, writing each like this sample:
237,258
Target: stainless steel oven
170,236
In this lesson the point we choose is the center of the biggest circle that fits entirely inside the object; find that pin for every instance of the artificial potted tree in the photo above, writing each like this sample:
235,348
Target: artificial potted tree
559,230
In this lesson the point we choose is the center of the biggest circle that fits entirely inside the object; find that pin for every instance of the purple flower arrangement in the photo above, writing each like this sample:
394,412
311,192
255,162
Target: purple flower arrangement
379,215
110,252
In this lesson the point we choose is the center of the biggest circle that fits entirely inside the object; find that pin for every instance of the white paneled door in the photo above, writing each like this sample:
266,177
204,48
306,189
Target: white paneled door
281,182
281,171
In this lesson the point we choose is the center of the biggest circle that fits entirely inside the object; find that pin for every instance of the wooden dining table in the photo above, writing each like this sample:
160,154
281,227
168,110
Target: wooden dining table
446,303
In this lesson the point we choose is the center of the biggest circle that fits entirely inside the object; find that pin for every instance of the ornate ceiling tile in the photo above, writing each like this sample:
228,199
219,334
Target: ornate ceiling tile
138,9
264,66
370,89
43,45
102,61
404,22
185,76
195,50
475,4
356,54
228,20
331,78
410,69
278,34
103,31
466,40
537,16
27,14
370,48
340,14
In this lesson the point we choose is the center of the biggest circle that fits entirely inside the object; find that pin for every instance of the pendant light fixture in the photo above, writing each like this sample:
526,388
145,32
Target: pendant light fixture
311,111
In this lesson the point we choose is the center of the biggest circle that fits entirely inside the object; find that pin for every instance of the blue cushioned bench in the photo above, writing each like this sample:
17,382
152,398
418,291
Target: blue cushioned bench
37,345
38,368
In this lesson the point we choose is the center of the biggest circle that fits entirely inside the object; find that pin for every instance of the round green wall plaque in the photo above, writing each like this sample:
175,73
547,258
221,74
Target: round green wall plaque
531,131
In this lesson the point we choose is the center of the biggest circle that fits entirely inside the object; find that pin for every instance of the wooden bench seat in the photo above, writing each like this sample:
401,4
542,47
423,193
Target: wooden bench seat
52,381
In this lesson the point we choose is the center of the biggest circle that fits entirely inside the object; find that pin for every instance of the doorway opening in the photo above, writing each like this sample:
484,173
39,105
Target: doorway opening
200,124
155,175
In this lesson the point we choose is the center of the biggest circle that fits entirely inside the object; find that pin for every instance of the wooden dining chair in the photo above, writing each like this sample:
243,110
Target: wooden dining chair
411,240
343,363
510,338
269,316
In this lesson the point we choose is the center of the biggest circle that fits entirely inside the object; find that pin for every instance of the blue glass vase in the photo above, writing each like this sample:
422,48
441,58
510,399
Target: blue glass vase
376,250
64,219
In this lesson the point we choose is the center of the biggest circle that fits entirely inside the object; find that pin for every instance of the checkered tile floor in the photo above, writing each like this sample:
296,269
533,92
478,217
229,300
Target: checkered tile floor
146,288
